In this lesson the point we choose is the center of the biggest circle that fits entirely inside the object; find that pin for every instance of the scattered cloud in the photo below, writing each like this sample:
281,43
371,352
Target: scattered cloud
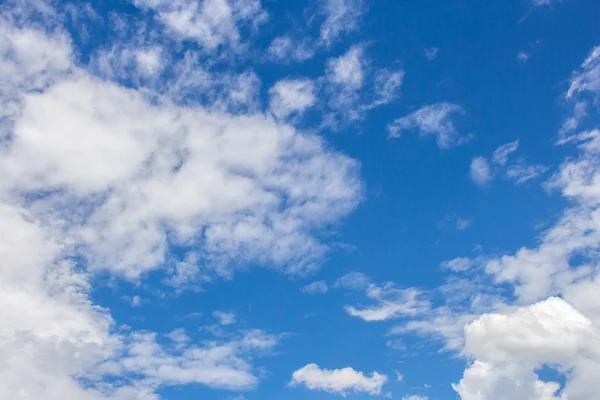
318,287
284,49
211,23
501,154
391,303
480,171
347,70
454,222
521,172
523,56
435,119
339,381
431,53
292,97
342,17
225,318
353,281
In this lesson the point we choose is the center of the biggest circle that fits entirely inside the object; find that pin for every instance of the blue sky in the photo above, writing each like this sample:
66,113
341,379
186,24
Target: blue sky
246,199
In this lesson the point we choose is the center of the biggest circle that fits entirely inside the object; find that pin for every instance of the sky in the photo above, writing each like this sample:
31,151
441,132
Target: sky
324,199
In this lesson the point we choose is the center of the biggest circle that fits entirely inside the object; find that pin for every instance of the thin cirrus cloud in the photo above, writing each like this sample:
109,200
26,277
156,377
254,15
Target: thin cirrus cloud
338,381
391,303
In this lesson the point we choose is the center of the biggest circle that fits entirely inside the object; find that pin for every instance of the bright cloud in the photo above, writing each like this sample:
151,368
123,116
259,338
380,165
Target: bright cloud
338,381
292,96
318,287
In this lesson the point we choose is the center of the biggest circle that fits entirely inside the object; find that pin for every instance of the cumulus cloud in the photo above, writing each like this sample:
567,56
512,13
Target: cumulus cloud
318,287
347,69
210,22
390,303
435,119
292,96
225,318
338,381
99,176
480,171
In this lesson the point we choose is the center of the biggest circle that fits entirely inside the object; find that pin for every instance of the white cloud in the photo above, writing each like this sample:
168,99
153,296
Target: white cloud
99,177
284,48
225,318
548,332
210,22
387,86
318,287
435,119
501,154
415,397
292,96
431,53
523,56
347,70
391,303
485,381
480,171
343,17
353,280
522,172
587,78
338,381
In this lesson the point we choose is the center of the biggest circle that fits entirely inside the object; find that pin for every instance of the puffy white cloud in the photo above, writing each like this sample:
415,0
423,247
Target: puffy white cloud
210,22
415,397
97,176
318,287
435,119
342,17
483,381
347,70
225,318
501,154
480,171
391,303
548,332
338,381
292,96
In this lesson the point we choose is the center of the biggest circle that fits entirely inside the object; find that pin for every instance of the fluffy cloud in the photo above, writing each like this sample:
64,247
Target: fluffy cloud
347,70
318,287
435,119
338,381
102,177
225,318
292,96
391,303
480,171
210,22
